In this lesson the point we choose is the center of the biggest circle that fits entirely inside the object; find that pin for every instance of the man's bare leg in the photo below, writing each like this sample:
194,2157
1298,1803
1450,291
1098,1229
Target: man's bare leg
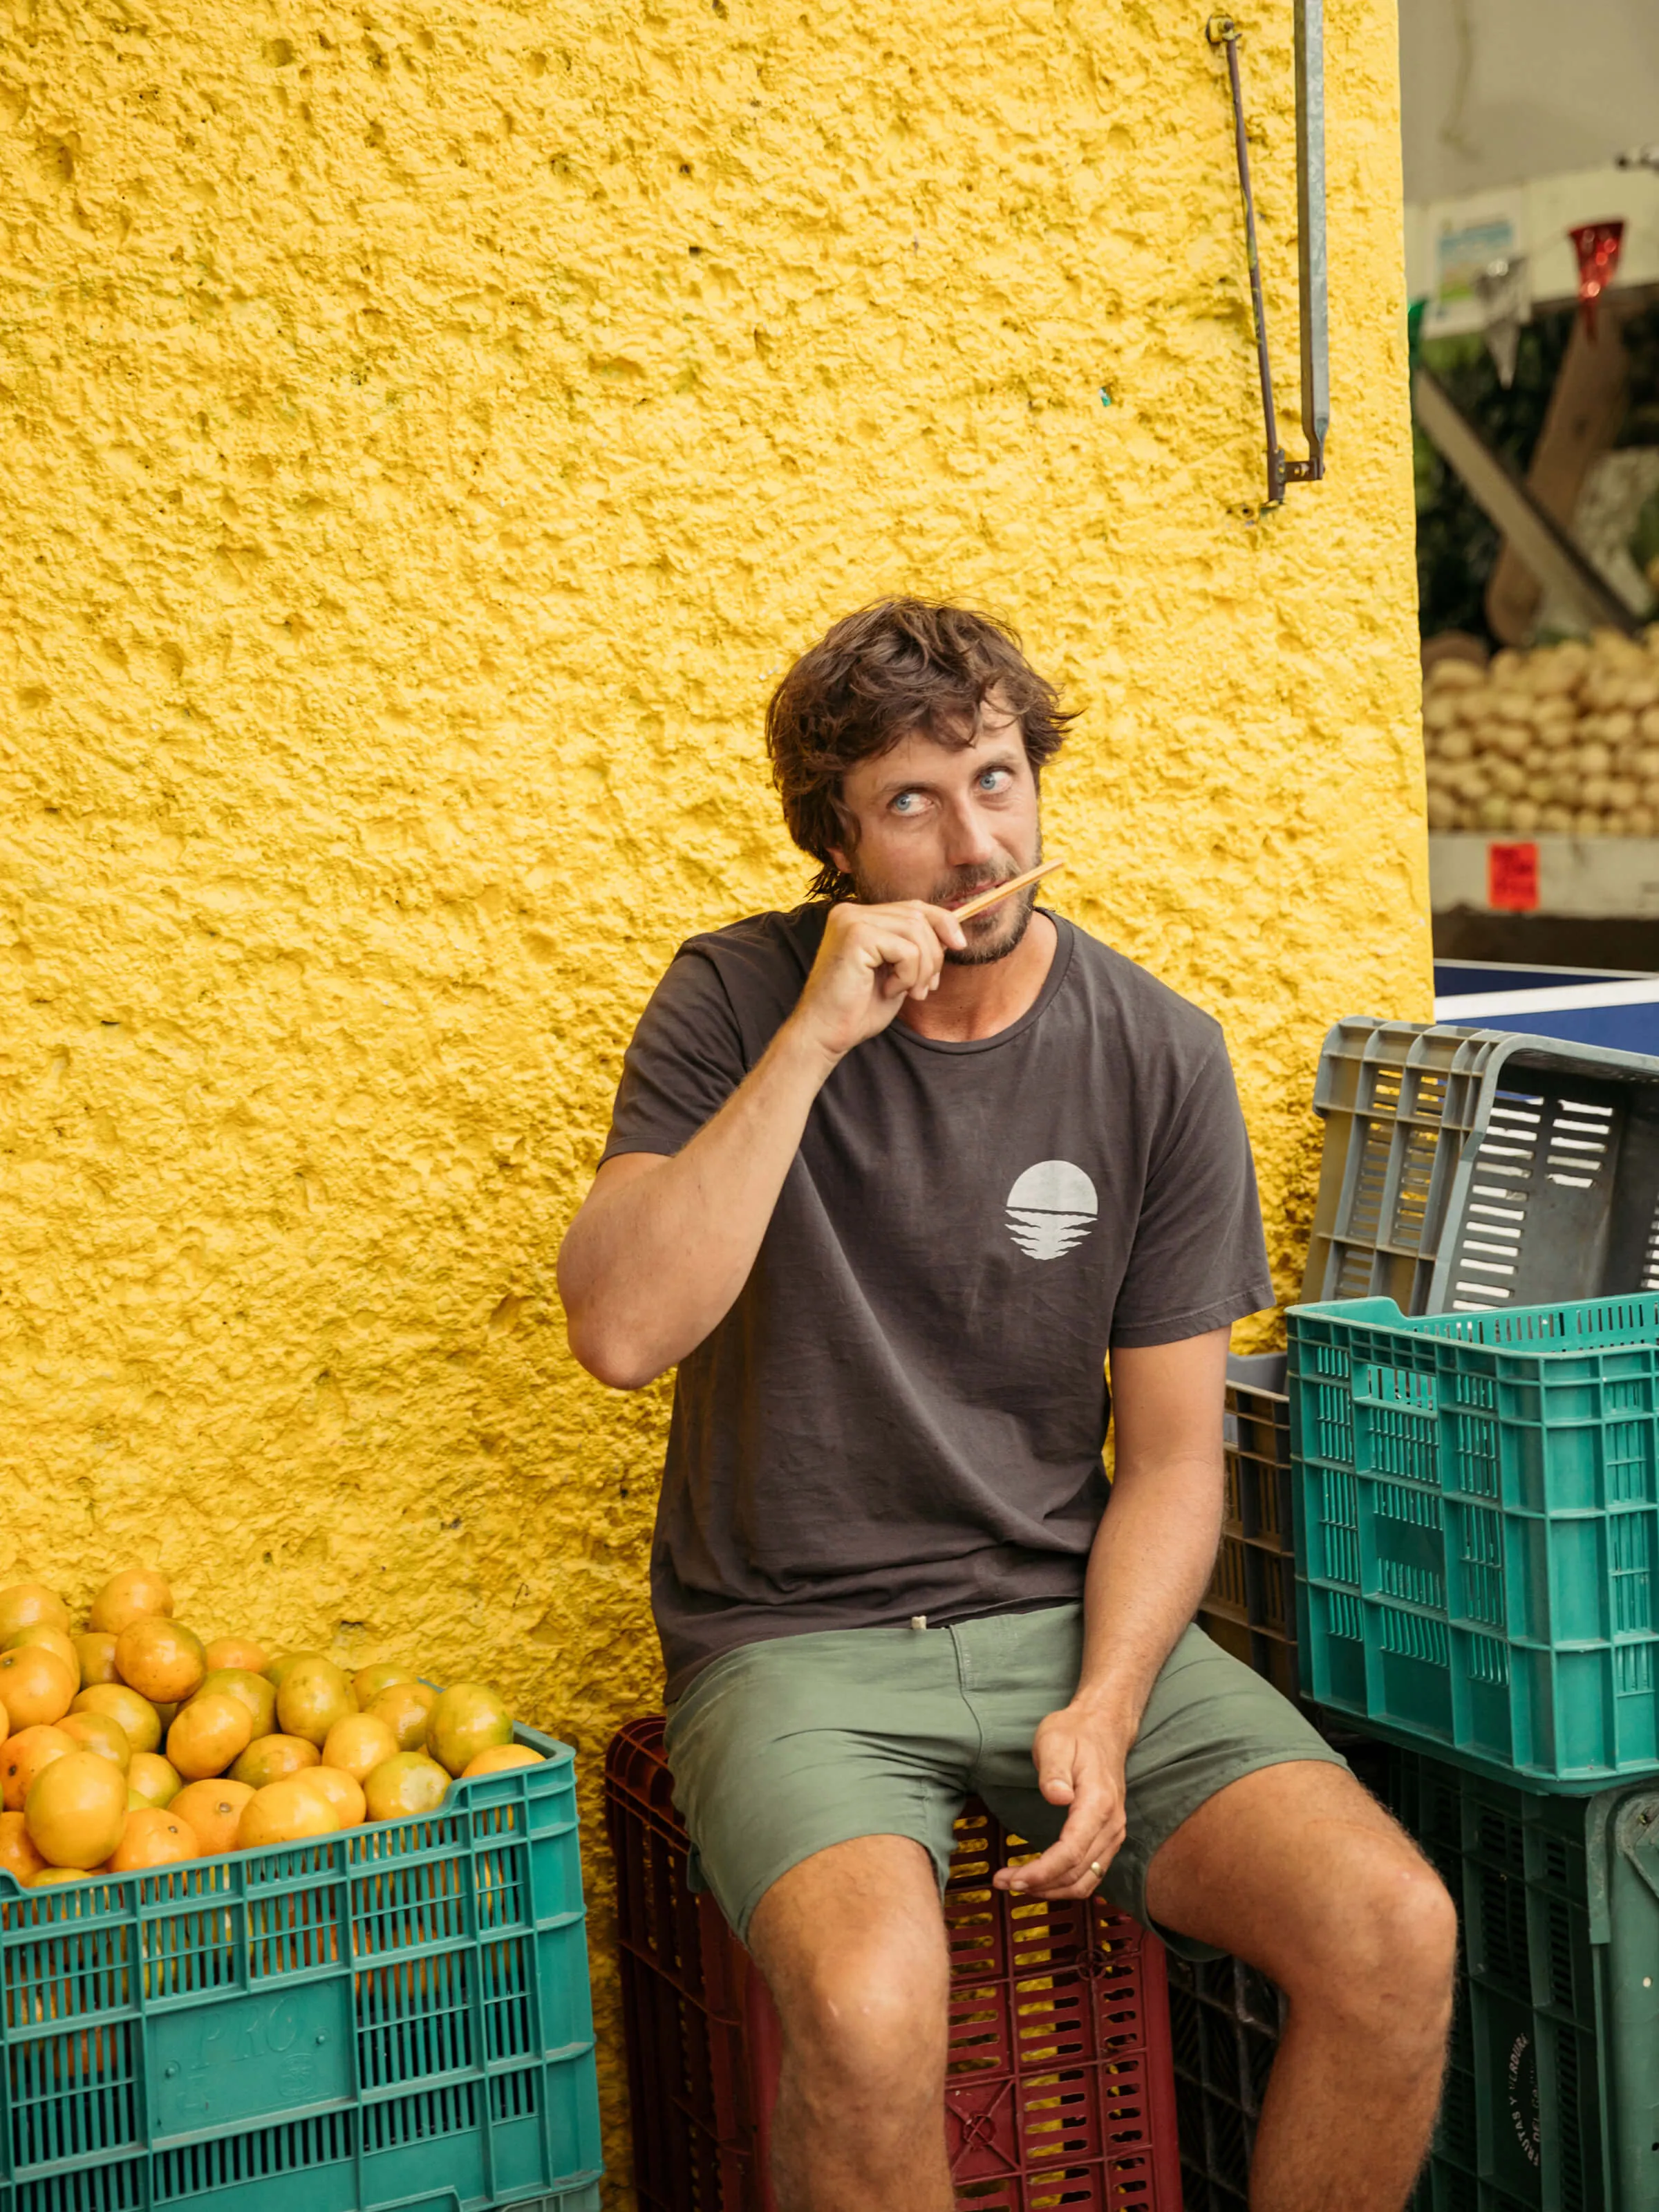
1298,1870
852,1945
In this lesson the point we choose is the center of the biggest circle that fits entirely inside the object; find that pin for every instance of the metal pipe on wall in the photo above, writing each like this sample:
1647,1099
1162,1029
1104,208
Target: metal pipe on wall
1313,293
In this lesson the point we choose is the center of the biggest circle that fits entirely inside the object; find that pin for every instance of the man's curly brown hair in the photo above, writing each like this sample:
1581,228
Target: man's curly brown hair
898,666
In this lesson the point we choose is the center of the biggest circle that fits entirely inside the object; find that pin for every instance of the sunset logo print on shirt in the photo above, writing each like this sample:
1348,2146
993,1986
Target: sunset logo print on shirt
1050,1208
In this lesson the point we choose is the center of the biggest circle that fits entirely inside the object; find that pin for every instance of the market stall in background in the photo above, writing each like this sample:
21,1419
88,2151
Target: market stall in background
1532,238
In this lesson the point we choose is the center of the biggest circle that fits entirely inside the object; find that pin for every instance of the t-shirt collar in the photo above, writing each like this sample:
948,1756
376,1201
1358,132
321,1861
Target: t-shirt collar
1066,937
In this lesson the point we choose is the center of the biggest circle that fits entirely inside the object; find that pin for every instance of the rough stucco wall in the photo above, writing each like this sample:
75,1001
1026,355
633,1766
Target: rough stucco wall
429,428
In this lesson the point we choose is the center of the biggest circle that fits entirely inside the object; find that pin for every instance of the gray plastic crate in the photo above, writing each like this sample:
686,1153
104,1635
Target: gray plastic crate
1382,1092
1468,1171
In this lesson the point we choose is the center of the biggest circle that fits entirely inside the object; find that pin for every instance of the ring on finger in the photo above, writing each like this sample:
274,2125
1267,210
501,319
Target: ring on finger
1094,1869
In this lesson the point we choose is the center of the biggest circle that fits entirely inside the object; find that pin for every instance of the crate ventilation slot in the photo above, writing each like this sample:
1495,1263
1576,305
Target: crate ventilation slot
1564,1141
1580,1144
1489,1251
1416,1175
1421,1145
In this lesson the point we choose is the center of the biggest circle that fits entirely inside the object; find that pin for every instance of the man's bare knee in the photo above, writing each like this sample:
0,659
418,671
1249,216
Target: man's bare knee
1299,1870
867,2027
1383,1965
852,1945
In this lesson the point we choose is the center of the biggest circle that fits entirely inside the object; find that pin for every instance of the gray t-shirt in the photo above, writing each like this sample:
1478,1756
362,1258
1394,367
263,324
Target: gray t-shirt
904,1411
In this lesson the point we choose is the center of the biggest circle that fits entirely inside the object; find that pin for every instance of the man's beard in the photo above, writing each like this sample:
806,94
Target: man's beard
991,937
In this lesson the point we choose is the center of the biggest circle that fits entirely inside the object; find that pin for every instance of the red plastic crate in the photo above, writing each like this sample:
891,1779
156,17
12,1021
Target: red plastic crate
1060,2092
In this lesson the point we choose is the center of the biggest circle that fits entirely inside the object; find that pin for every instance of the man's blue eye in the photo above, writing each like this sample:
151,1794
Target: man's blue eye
903,800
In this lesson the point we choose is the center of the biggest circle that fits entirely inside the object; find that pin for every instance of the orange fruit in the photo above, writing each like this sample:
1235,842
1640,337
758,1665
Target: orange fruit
410,1782
469,1717
98,1732
251,1689
405,1708
269,1758
49,1640
77,1809
213,1810
135,1594
136,1715
32,1605
154,1835
36,1688
48,1875
498,1758
5,1723
211,1732
310,1697
96,1653
285,1811
18,1856
279,1670
160,1658
344,1792
235,1652
23,1758
154,1780
357,1745
367,1682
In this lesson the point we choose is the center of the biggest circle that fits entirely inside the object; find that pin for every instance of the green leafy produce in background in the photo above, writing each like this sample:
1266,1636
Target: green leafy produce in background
1456,545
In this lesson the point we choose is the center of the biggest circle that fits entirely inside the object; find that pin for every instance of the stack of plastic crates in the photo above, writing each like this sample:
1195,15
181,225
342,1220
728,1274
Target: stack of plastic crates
1462,1169
1058,2089
396,2016
1552,2098
1478,1523
1471,1172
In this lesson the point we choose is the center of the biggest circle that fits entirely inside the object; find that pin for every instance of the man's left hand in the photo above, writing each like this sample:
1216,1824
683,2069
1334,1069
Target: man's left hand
1079,1763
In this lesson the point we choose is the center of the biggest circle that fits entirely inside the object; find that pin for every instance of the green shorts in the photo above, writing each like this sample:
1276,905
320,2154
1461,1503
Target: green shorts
781,1748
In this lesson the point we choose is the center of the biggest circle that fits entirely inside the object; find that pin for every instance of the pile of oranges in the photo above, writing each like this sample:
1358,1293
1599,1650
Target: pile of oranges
133,1745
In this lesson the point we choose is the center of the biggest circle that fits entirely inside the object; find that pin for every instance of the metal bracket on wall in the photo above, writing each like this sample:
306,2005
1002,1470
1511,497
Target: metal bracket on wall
1222,31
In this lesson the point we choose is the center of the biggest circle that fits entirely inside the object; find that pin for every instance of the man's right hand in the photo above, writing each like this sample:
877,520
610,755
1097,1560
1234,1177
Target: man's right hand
664,1244
872,958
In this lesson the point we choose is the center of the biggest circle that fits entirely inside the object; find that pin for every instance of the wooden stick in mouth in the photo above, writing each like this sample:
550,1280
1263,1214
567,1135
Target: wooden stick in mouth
999,891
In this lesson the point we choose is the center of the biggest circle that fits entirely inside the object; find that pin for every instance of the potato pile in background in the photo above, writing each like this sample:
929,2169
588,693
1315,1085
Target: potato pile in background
1562,738
133,1745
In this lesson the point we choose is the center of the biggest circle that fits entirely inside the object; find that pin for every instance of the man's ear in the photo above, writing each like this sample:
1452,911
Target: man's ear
842,855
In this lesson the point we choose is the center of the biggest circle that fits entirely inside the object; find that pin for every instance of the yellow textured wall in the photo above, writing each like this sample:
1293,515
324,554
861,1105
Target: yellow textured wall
429,429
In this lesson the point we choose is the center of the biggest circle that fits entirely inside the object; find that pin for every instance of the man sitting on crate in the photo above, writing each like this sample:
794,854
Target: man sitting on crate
891,1189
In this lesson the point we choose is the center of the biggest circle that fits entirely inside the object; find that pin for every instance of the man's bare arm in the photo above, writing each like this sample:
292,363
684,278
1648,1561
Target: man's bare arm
1151,1562
661,1247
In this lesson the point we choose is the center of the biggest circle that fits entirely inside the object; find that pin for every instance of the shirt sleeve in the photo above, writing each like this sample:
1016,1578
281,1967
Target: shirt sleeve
685,1061
1199,1260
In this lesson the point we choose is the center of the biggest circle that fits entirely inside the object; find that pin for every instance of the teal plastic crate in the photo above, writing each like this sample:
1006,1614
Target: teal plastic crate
394,2017
1476,1510
1552,2098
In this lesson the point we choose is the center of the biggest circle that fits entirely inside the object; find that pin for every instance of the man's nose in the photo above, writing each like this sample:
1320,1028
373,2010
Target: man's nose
967,836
